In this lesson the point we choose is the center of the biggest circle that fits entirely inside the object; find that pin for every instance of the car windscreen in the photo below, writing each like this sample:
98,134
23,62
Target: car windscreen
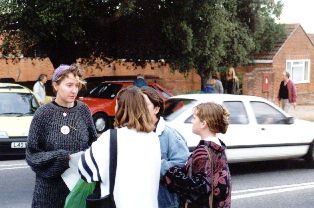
174,107
105,90
17,103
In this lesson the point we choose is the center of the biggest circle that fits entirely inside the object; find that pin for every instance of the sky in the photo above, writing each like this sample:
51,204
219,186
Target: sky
299,11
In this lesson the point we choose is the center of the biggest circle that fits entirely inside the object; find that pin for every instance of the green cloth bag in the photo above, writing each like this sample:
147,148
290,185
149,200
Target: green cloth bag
77,197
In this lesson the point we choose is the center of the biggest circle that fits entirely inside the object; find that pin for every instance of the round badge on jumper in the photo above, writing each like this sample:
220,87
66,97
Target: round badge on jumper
65,130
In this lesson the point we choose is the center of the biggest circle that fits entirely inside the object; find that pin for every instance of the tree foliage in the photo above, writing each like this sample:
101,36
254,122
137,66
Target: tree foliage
259,17
61,29
200,34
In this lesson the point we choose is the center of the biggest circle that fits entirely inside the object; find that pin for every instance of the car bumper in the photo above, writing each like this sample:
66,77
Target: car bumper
12,146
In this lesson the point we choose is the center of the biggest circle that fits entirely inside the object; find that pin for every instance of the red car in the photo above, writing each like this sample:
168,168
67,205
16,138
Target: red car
101,101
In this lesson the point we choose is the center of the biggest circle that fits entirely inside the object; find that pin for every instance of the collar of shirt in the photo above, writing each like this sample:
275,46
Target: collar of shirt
213,139
161,125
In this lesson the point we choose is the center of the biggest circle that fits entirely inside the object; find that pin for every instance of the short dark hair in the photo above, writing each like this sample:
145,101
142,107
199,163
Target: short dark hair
41,77
288,74
155,98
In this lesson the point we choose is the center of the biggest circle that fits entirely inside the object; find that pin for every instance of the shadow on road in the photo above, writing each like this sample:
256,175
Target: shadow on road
267,166
7,158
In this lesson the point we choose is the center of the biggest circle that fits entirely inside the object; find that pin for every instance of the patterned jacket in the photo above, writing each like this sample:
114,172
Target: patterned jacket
196,189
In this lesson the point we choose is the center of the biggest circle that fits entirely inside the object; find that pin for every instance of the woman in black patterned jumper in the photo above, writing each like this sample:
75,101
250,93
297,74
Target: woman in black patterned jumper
58,129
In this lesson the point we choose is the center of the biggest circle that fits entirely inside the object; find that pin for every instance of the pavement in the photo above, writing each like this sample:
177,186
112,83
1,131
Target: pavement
305,112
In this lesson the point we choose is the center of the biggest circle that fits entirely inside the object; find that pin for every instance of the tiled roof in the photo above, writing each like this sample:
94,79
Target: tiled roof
269,55
311,36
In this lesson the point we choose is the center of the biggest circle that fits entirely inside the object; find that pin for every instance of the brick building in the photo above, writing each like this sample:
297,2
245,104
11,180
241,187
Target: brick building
295,54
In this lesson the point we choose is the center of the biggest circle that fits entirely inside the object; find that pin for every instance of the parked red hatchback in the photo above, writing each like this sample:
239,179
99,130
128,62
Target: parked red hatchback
101,101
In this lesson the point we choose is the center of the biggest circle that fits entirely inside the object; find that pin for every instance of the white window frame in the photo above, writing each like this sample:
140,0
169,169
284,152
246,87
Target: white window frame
292,61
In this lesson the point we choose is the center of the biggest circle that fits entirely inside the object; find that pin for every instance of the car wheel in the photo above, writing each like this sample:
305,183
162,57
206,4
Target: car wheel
101,122
309,157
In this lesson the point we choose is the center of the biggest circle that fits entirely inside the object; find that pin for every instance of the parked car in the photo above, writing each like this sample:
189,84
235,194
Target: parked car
101,100
17,107
258,131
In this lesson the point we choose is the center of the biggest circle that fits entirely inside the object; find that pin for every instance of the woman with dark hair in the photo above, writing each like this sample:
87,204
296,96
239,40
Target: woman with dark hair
174,150
138,160
58,129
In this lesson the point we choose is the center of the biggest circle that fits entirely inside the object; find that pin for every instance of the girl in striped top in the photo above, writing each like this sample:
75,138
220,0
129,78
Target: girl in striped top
138,155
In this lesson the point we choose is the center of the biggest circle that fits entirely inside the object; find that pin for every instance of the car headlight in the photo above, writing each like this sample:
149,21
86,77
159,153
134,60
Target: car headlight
4,135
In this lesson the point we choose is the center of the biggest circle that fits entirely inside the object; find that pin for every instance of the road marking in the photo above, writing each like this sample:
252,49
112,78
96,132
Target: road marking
270,190
10,165
14,168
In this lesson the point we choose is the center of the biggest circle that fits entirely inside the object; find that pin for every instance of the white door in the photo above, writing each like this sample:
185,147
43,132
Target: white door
282,138
242,134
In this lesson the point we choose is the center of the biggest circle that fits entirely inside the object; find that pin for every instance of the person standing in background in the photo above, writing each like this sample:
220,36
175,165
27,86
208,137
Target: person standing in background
58,129
216,84
232,82
287,94
140,81
39,89
173,147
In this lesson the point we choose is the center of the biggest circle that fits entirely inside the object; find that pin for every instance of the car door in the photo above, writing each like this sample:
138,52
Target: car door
242,133
280,135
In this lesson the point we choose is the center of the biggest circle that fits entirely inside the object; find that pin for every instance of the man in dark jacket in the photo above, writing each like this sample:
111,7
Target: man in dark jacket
287,94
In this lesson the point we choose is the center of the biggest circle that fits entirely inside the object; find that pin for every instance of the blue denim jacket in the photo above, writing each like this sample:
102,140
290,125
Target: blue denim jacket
174,151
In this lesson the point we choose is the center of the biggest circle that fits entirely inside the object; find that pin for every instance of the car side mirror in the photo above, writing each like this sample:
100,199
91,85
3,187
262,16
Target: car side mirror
289,120
34,104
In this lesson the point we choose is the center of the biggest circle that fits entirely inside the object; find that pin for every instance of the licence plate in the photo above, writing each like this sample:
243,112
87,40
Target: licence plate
18,145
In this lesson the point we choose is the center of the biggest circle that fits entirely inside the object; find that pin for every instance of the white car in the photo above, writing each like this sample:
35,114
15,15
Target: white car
17,107
258,131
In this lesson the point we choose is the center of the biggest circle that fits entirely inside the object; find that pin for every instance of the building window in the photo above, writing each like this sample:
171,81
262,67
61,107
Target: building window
299,70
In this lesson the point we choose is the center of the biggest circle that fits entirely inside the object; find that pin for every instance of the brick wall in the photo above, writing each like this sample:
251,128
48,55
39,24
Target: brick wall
253,82
252,79
25,69
157,71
